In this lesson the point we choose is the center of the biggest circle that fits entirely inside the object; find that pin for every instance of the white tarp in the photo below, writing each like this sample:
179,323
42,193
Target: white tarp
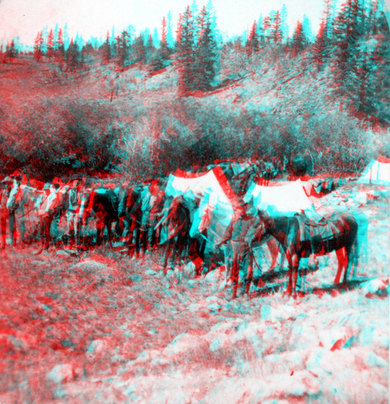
217,200
286,199
378,171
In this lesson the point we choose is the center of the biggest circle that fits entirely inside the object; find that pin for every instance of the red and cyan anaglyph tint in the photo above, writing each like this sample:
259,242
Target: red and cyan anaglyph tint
192,216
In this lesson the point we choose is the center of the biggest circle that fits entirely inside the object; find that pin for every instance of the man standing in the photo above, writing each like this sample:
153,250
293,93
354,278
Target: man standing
240,234
47,212
73,209
5,189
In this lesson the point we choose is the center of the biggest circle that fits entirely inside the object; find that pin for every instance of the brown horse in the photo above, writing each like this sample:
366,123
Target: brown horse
104,203
288,232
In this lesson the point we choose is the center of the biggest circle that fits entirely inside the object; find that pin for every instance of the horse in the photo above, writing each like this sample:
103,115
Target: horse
104,203
297,245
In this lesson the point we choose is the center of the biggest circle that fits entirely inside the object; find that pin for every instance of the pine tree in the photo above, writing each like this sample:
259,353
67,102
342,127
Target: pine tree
283,20
11,49
276,29
267,28
170,40
38,47
161,58
123,48
299,40
139,50
205,53
347,33
106,51
306,25
156,39
320,46
185,53
55,43
44,40
252,43
66,37
50,45
60,54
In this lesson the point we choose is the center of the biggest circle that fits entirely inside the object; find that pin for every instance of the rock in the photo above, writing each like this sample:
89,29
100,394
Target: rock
67,372
189,271
217,275
100,346
375,286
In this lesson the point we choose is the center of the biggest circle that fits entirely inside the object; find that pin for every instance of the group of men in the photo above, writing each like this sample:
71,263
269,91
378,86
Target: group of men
143,216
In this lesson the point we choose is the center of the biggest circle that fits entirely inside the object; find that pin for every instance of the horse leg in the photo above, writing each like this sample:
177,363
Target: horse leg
274,250
348,260
249,276
109,230
235,273
341,260
295,265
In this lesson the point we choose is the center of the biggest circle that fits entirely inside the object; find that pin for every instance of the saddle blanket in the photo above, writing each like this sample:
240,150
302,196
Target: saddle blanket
319,226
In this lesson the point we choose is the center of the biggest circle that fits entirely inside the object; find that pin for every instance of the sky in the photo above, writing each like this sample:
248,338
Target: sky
95,17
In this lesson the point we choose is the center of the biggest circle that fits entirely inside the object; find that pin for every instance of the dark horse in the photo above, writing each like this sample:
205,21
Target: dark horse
287,231
104,203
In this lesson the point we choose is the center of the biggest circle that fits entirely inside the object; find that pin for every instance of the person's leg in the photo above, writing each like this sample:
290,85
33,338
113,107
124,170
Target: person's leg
22,224
12,229
3,229
55,226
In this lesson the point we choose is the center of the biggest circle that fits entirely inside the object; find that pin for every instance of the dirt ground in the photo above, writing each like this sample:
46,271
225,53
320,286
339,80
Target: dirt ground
102,328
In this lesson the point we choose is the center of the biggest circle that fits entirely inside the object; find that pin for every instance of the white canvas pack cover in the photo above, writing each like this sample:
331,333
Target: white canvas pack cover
285,199
377,172
218,201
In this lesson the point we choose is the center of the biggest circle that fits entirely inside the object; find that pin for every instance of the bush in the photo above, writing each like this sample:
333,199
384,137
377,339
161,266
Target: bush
52,137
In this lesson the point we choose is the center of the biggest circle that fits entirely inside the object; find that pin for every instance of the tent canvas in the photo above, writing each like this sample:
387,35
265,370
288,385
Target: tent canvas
286,199
377,172
218,201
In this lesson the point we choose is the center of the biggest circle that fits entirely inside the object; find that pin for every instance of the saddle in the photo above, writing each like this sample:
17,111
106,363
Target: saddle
316,225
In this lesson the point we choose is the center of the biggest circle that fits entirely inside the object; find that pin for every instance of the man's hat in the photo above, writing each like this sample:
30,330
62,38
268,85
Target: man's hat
7,179
47,186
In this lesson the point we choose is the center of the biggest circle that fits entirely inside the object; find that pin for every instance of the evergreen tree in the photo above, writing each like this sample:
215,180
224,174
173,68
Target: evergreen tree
252,44
185,53
306,25
38,47
60,54
156,39
161,58
65,35
106,51
299,40
44,40
260,30
320,46
11,51
149,48
283,20
139,50
50,45
55,43
267,28
170,40
205,53
276,29
347,33
123,48
194,12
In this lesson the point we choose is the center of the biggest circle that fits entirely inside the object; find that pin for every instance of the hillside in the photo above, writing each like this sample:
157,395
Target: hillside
269,103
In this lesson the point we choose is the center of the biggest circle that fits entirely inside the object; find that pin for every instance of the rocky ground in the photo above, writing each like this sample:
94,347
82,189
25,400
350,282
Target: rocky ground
102,328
